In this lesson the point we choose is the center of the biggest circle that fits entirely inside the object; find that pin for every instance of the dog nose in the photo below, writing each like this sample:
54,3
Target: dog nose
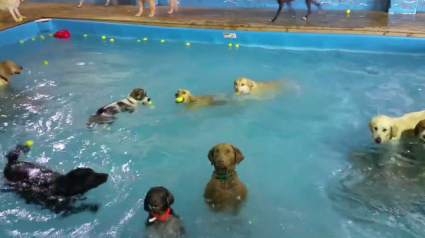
177,95
149,99
378,140
21,67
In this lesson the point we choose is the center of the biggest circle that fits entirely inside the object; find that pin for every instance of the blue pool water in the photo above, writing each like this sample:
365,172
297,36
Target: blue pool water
296,146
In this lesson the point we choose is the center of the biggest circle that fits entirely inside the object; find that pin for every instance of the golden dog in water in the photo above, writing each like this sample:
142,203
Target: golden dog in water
184,96
7,70
244,85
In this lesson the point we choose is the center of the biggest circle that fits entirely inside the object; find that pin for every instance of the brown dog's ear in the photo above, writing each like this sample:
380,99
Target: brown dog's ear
192,98
170,198
250,83
211,155
394,131
238,155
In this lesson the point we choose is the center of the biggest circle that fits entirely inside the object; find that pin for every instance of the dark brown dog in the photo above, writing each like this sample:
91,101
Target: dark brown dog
225,192
162,221
288,2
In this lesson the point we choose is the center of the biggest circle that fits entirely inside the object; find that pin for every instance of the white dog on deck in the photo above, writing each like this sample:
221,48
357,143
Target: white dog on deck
12,6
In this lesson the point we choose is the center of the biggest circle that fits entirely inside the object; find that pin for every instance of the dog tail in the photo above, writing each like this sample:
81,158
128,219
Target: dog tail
13,155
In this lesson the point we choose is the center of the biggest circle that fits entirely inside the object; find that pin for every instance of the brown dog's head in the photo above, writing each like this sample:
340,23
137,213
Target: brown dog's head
158,200
225,157
8,68
243,85
382,129
184,96
140,96
420,131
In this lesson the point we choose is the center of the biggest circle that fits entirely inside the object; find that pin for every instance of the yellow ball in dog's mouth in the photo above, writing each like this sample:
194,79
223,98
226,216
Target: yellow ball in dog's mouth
150,102
29,143
179,99
237,93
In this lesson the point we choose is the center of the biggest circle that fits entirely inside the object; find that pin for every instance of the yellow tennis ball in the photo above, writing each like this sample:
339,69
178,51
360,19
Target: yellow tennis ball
237,93
45,62
187,43
236,45
145,38
111,40
162,41
33,39
42,37
103,37
150,102
179,99
21,42
20,19
230,44
29,143
138,40
348,11
50,34
85,35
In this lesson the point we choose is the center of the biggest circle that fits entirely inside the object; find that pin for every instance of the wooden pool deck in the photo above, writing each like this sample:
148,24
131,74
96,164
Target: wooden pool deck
252,19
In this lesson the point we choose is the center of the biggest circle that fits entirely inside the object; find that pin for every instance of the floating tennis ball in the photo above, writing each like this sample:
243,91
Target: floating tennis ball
111,40
348,11
42,37
230,44
179,99
21,42
236,45
103,37
50,34
33,39
85,35
187,43
29,143
138,40
162,41
45,62
145,38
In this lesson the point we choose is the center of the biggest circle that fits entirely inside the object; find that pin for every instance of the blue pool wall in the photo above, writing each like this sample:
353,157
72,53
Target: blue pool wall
392,6
364,43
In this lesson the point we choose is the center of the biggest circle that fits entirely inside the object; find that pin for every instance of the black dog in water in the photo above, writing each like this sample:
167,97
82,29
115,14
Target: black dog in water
288,2
106,114
162,221
40,185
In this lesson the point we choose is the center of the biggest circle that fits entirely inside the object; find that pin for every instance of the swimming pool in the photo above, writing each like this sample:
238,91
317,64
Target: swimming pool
296,146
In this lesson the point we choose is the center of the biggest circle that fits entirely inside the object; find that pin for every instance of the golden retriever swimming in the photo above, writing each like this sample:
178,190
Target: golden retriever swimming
384,128
244,85
7,70
184,96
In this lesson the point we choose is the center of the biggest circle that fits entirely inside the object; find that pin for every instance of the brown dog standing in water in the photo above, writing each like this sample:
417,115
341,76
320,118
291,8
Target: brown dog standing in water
225,192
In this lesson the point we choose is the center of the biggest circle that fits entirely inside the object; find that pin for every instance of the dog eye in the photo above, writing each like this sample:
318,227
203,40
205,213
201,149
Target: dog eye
243,84
236,83
384,130
375,128
184,92
228,151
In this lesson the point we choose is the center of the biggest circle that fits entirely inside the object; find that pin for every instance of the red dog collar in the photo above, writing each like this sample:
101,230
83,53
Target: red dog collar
162,217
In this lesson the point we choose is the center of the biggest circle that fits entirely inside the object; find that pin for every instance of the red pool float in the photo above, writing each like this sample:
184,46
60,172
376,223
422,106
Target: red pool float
62,34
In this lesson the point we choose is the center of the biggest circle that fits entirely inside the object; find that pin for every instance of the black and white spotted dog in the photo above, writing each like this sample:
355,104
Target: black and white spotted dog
106,114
